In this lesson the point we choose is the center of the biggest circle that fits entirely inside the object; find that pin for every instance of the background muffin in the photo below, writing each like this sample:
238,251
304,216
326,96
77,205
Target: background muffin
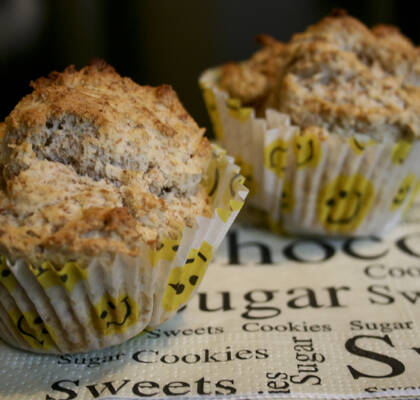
101,179
338,75
347,108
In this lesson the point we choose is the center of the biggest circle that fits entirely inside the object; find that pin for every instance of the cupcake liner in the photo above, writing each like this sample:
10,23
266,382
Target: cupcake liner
67,309
307,184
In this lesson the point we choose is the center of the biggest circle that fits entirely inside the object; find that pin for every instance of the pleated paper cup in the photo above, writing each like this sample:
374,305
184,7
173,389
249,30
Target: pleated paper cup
67,308
306,183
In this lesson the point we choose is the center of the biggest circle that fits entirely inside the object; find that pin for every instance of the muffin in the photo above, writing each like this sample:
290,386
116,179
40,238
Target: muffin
326,126
110,210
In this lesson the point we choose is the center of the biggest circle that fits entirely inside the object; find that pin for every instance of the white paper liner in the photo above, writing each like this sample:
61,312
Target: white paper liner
70,309
378,178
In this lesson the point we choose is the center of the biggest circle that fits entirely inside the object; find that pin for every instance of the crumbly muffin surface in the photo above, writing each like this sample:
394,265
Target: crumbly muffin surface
338,75
92,162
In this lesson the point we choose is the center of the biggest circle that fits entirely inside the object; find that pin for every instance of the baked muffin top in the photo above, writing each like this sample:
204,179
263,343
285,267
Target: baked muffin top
94,163
338,75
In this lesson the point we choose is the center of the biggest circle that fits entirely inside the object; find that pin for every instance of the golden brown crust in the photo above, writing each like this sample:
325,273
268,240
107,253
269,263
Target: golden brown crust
252,81
247,84
93,163
343,77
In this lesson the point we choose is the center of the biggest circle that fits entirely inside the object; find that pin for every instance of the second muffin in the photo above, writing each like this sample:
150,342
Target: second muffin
326,127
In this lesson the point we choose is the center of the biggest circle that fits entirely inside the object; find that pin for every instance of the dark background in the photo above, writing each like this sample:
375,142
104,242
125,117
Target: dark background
159,41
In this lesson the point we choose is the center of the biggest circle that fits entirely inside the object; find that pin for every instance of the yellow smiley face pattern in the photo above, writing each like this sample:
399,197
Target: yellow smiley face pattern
344,202
28,324
32,329
183,280
308,150
224,183
403,192
230,203
247,172
215,172
275,156
115,315
67,276
166,251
